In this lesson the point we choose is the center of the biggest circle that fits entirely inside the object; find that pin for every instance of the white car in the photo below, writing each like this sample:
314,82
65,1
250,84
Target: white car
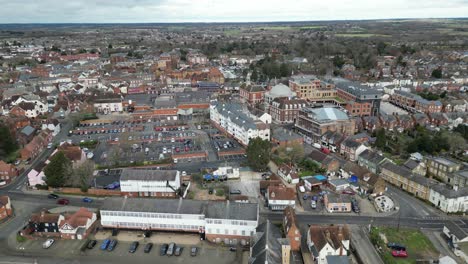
49,146
184,173
175,161
48,243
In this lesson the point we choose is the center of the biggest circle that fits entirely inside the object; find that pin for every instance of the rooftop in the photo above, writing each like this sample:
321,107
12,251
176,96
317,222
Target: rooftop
129,174
326,114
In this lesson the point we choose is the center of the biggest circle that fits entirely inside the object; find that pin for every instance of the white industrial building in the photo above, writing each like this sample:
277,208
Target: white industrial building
149,183
238,122
218,221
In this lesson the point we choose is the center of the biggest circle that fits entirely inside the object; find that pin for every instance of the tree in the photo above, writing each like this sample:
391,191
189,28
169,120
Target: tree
110,46
381,46
83,175
254,76
463,130
258,154
8,144
338,61
291,153
381,139
437,73
284,70
57,172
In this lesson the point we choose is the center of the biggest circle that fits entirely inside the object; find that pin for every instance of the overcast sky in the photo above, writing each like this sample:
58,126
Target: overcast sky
134,11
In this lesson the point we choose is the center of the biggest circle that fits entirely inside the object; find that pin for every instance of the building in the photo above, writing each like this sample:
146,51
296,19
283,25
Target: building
442,168
239,123
371,160
7,172
149,183
340,203
108,105
457,239
226,222
360,100
291,229
416,167
5,208
77,225
282,137
288,173
324,241
327,162
351,149
269,247
448,199
314,122
311,88
279,90
415,103
252,94
284,110
402,177
42,224
280,197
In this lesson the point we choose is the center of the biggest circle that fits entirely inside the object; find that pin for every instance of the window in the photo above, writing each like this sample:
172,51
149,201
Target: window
243,232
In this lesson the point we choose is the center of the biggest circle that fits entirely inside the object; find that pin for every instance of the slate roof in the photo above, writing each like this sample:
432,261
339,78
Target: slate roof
28,130
129,174
235,112
267,247
371,156
254,88
449,192
455,230
321,235
282,134
211,209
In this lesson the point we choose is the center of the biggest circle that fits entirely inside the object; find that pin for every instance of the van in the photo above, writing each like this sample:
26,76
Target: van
170,249
301,189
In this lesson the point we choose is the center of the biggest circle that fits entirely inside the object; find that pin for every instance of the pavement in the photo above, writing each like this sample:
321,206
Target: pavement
364,248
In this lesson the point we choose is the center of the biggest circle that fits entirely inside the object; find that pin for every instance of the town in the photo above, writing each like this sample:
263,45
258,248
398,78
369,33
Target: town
306,142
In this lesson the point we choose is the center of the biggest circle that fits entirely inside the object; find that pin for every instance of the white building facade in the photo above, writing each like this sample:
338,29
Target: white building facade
149,183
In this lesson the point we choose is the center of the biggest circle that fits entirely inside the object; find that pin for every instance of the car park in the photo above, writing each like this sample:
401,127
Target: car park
52,196
148,247
112,245
48,243
163,249
105,244
193,251
91,244
171,249
133,247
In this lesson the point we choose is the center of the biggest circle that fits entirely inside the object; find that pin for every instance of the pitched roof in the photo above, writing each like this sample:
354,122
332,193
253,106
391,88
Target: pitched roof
267,245
333,235
78,219
73,153
281,192
44,217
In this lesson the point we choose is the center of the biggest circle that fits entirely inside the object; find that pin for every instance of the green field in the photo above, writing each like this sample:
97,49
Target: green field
417,244
232,32
360,35
311,27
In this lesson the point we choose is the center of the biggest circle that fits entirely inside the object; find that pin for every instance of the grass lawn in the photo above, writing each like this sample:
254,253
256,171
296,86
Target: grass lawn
232,32
311,27
360,35
417,244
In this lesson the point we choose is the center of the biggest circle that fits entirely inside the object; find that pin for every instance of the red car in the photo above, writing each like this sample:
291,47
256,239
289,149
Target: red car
348,192
63,201
399,253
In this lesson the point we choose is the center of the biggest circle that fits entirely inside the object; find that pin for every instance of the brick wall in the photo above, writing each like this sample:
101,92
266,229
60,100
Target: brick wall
97,192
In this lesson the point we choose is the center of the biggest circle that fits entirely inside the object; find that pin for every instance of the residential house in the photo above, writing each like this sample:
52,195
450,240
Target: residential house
420,119
388,122
280,197
291,228
36,175
77,225
74,153
7,172
327,162
367,182
332,141
414,102
438,119
218,221
264,184
351,149
371,123
26,134
5,207
288,173
402,177
371,160
457,239
52,125
323,241
282,137
405,122
459,178
42,224
441,168
338,203
416,167
150,183
37,144
449,199
269,247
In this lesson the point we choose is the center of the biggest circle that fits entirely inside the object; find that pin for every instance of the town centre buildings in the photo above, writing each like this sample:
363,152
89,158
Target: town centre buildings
226,222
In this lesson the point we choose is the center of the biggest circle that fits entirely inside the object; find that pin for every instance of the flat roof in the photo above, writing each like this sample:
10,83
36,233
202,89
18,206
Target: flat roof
129,174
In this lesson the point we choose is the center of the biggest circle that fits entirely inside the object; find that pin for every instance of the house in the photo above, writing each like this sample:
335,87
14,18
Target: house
371,160
252,94
332,140
389,122
282,137
77,225
420,119
288,173
405,122
52,125
351,149
402,177
441,168
264,184
150,183
26,134
457,239
438,119
42,224
327,162
323,241
5,207
371,123
268,246
217,221
416,167
291,228
37,144
448,199
337,203
367,182
74,153
7,172
280,197
36,175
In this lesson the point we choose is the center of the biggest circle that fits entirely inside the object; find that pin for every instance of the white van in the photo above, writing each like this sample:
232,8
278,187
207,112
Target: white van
301,189
48,243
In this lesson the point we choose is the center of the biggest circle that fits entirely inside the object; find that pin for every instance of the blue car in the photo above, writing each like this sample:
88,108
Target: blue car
87,200
105,244
112,245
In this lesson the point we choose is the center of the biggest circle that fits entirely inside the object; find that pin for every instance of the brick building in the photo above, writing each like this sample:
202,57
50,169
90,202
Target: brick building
252,94
7,171
5,207
311,88
360,100
285,110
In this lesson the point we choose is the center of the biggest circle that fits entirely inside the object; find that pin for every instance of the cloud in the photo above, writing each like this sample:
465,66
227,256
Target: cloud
110,11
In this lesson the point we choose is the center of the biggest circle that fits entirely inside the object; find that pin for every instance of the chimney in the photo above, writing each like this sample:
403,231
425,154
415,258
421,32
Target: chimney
340,239
42,215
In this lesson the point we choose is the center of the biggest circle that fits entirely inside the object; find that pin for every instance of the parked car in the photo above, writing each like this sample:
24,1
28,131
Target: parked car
233,249
193,251
147,233
91,244
301,189
112,245
105,244
163,249
178,251
235,192
396,246
171,249
305,197
48,243
313,204
148,247
52,196
87,200
133,247
348,192
63,201
399,253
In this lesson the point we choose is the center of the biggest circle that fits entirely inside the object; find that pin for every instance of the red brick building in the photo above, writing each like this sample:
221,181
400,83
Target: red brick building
291,229
7,171
252,94
285,111
5,207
